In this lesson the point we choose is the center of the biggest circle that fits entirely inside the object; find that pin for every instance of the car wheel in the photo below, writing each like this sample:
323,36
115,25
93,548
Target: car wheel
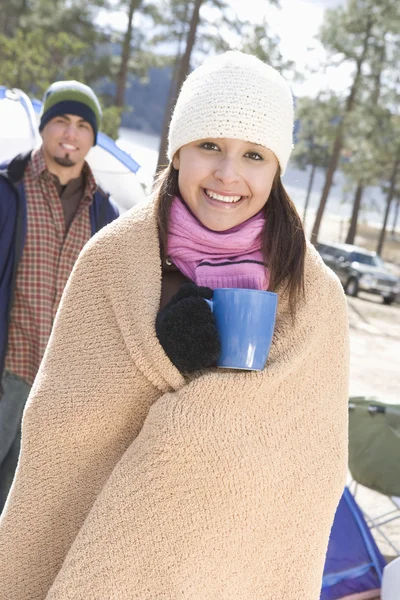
351,288
387,300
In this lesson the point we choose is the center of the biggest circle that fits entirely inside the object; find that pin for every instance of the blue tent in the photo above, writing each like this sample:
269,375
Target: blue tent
354,563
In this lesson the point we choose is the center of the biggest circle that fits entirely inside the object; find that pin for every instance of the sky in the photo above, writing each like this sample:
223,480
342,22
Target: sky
296,23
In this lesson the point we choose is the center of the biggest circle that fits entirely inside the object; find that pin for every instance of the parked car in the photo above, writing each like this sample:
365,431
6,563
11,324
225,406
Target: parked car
360,270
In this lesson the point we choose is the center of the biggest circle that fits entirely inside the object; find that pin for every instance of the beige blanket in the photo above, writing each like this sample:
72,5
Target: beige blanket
136,483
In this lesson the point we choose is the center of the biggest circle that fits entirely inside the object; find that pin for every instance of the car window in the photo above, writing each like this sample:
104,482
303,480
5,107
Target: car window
327,251
342,254
365,259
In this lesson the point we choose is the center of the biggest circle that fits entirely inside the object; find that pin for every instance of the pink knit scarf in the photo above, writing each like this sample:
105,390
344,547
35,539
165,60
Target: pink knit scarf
230,258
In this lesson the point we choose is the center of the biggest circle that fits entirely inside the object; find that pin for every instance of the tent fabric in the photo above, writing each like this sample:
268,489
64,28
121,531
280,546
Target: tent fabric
354,564
374,445
18,126
110,146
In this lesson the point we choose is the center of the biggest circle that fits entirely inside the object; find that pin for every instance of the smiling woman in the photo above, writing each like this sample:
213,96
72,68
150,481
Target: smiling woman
147,472
235,144
225,181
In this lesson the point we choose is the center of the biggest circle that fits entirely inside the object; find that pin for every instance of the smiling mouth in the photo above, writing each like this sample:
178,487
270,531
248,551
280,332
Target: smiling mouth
68,147
222,198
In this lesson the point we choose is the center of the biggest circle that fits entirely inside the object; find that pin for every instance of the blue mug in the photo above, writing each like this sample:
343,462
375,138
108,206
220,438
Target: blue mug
245,322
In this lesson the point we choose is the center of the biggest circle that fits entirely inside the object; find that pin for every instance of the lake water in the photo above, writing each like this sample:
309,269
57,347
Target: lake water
144,149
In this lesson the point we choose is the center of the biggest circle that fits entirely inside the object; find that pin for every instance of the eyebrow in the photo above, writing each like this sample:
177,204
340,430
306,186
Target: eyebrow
66,117
258,145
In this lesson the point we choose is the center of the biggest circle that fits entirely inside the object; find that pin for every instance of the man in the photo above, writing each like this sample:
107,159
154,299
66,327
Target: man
50,206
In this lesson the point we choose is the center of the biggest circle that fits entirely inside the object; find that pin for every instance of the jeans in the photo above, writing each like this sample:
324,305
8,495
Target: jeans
12,403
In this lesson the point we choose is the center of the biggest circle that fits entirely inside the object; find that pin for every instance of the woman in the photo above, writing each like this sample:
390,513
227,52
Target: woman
145,471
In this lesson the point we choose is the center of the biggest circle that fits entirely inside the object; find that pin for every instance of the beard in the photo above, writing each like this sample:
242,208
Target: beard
64,161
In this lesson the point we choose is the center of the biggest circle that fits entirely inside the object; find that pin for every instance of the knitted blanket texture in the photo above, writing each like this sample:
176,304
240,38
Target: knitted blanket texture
136,483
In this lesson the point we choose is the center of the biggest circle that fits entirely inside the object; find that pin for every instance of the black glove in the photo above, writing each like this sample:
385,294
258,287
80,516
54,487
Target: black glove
186,329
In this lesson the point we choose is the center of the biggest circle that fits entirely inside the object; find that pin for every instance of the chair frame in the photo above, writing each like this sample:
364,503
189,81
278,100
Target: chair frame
383,519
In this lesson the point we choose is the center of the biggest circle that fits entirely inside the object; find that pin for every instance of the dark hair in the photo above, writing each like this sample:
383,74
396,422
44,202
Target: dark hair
284,243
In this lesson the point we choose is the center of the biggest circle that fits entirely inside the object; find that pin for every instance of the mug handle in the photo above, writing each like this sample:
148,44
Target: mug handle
210,303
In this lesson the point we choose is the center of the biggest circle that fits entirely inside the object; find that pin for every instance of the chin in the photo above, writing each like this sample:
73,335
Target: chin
64,161
218,226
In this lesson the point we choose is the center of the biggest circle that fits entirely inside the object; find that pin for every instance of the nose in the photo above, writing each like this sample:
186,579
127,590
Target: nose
227,170
70,131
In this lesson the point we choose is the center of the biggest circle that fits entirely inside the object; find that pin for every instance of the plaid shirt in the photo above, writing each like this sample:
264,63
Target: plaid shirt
47,260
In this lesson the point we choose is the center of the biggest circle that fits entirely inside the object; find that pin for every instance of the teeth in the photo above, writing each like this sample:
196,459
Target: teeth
68,146
215,196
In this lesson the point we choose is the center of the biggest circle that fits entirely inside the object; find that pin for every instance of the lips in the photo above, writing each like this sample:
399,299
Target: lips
68,147
225,198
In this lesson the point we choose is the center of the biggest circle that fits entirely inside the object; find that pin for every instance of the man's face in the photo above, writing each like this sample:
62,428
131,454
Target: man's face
67,139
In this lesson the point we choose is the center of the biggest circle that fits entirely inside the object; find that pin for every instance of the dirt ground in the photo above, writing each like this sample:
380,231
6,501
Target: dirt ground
375,348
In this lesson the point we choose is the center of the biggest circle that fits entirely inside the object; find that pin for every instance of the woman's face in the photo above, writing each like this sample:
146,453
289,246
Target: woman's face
225,181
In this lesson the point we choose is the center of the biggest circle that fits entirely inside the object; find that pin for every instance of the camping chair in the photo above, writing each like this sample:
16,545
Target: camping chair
354,564
374,456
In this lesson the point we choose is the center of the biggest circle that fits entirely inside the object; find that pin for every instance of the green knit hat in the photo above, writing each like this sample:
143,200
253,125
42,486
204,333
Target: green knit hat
71,98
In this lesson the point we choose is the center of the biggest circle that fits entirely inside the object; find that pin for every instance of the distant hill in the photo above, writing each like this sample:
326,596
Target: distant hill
147,100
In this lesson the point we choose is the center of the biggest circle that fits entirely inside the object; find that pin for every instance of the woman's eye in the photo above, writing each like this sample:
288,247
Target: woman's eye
209,146
254,156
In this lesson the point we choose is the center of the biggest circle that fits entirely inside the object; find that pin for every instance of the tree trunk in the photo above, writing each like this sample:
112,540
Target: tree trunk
396,214
328,183
377,77
172,95
337,147
126,53
162,160
310,185
389,198
351,234
183,71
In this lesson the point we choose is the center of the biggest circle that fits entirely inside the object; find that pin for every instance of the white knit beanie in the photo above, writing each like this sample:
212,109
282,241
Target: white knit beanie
234,95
